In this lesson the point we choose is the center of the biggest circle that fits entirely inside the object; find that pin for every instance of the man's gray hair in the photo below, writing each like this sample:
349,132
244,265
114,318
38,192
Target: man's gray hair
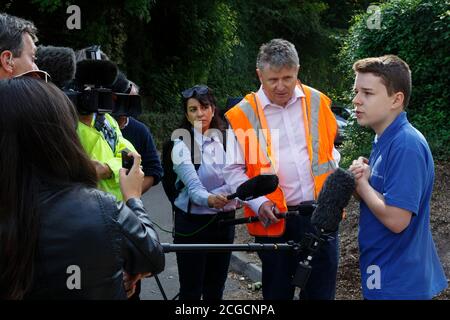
277,53
11,30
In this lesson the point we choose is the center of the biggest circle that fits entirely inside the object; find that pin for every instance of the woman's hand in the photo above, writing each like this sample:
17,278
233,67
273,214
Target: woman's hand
131,183
217,201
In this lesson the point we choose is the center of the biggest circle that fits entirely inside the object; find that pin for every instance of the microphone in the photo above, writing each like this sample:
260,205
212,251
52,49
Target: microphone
333,198
121,84
96,72
256,187
59,62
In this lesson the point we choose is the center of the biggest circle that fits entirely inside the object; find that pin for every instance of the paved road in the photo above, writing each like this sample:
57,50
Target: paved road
158,206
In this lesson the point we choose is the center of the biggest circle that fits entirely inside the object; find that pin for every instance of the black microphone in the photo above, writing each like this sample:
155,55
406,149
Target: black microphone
256,187
96,72
59,62
333,198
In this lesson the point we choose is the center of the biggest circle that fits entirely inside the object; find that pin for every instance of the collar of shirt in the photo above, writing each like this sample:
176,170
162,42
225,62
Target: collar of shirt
298,93
201,139
391,130
126,123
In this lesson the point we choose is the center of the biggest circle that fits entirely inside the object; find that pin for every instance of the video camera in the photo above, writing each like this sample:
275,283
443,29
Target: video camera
94,84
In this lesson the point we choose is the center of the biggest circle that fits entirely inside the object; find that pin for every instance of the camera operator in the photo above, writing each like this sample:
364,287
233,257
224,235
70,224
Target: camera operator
102,139
17,48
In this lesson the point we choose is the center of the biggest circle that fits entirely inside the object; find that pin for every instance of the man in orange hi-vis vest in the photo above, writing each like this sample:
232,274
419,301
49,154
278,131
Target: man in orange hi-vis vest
286,128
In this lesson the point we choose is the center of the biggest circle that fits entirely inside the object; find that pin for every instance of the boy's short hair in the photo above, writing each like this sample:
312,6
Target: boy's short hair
393,71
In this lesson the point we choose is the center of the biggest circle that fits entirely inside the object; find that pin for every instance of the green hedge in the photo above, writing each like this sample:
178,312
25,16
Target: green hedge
161,125
418,31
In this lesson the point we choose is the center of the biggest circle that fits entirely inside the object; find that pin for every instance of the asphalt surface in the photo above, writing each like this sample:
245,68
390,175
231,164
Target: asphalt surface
158,207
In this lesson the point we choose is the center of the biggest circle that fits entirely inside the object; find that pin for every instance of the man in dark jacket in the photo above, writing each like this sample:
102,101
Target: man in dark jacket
140,136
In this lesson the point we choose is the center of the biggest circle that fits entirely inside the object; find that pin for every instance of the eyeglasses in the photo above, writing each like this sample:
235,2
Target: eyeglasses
198,89
38,74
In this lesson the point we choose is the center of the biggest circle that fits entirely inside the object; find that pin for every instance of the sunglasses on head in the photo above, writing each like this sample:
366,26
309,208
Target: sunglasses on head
38,74
198,89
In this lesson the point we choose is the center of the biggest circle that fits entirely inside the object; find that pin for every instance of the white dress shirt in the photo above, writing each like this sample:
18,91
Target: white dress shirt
289,150
208,180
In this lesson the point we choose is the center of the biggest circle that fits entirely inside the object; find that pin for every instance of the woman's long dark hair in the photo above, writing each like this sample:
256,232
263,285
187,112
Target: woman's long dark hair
38,142
205,100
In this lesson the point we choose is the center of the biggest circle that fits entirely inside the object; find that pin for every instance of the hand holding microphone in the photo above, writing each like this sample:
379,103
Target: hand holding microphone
256,187
217,201
266,213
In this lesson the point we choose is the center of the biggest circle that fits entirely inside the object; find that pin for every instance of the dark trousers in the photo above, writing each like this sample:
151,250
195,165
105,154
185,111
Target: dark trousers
202,274
278,268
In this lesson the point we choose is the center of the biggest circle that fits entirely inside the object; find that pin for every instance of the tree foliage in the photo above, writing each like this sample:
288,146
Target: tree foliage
166,46
418,31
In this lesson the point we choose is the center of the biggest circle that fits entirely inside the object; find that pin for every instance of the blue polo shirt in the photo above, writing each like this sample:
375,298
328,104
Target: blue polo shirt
404,265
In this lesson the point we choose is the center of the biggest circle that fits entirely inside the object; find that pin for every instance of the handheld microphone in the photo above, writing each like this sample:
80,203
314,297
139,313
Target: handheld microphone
96,72
59,62
333,198
256,187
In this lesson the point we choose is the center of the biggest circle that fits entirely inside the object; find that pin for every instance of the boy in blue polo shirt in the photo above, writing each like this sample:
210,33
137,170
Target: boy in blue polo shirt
398,258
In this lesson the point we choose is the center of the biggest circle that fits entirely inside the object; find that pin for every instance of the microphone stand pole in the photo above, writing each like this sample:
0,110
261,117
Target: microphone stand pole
169,247
309,244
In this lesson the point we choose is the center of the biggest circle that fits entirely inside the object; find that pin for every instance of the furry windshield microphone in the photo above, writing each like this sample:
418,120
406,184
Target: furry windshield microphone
59,62
100,73
333,198
256,187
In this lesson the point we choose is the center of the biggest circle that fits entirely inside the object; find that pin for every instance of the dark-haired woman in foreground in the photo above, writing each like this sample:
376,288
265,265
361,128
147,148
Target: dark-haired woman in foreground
60,238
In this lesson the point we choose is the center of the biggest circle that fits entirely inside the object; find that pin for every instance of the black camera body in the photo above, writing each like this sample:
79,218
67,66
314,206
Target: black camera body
96,100
98,87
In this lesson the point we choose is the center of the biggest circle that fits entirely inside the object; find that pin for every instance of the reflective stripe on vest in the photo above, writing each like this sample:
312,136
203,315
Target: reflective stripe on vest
315,108
252,117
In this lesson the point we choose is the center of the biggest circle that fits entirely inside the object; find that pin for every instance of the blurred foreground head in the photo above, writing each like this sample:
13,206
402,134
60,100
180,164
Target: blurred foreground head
38,126
39,145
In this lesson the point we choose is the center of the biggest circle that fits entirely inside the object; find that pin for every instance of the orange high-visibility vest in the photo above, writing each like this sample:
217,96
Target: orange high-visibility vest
249,125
